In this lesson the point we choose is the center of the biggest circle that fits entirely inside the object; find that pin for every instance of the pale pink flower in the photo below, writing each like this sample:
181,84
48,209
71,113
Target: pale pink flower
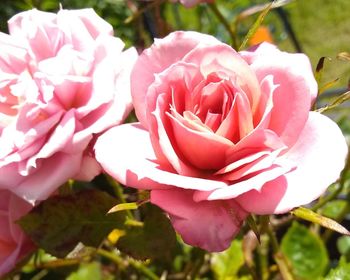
223,134
191,3
14,245
63,79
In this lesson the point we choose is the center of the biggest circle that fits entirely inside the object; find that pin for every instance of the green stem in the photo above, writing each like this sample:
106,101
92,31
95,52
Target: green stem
225,23
263,251
144,269
280,259
111,256
120,195
120,263
142,10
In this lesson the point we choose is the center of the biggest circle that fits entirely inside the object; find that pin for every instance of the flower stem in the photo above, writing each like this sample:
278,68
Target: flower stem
136,264
120,195
280,259
225,23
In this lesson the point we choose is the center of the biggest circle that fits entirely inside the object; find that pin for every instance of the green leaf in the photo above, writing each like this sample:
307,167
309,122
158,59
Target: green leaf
155,240
87,271
309,215
227,263
338,101
59,223
319,70
334,208
256,25
123,207
260,8
341,272
305,251
343,245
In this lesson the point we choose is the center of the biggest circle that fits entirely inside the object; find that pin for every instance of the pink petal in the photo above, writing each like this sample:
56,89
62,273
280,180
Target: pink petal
92,21
38,31
162,54
13,244
222,58
60,137
161,134
319,155
89,169
126,153
13,57
208,225
255,182
194,145
257,165
53,172
296,92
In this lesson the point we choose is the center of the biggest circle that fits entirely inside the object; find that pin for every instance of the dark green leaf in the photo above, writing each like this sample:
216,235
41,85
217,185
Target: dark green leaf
156,239
305,251
59,223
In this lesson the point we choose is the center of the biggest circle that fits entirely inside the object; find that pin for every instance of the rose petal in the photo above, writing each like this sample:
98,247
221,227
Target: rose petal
255,182
89,169
55,171
296,89
126,153
161,55
208,225
13,57
222,58
92,21
194,145
319,155
160,134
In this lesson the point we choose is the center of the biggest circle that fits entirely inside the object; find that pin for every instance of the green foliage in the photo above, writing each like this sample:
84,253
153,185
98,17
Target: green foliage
341,272
87,271
309,215
343,245
156,239
334,208
226,265
59,223
305,251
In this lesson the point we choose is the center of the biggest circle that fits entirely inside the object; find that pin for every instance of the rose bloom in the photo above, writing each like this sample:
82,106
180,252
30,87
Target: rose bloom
63,78
222,134
14,245
191,3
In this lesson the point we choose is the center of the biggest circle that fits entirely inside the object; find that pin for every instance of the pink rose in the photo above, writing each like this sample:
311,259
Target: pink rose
14,245
191,3
64,78
222,134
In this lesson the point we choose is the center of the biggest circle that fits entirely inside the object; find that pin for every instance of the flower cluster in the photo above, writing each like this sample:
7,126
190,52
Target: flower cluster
64,80
221,134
